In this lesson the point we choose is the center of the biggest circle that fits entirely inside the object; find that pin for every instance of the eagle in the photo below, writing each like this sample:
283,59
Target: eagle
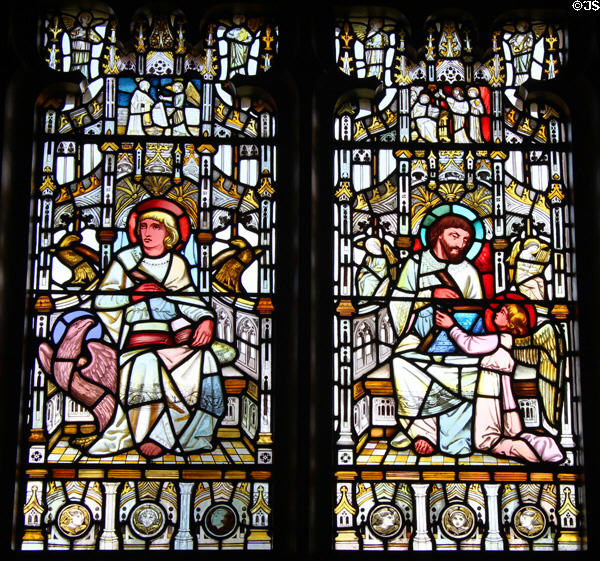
229,264
78,257
87,374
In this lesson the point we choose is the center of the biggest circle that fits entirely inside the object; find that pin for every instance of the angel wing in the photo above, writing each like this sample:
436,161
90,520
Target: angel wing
360,30
69,21
544,350
392,260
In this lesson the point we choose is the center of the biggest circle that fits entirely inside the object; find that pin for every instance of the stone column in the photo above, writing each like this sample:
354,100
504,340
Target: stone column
109,538
421,540
493,539
183,538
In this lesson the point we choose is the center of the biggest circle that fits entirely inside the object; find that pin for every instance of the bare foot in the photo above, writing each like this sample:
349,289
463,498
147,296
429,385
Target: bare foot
423,447
151,450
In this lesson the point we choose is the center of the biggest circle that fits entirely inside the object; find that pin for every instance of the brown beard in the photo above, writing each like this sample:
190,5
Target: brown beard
457,258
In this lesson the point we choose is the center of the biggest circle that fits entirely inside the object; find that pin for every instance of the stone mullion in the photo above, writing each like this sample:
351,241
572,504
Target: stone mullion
403,198
345,310
106,235
110,104
265,435
493,538
500,244
183,539
344,377
421,539
109,540
205,235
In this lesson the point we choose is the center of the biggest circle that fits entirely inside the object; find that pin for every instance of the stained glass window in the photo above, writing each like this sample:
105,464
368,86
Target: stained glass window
456,381
159,425
148,420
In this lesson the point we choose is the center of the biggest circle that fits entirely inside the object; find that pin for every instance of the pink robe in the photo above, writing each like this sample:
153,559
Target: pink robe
498,427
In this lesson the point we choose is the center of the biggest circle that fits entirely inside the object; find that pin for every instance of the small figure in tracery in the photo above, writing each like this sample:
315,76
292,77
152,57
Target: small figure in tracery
376,42
84,37
239,47
426,115
521,45
140,107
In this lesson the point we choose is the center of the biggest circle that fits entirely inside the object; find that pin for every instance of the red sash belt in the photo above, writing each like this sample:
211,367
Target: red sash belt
146,338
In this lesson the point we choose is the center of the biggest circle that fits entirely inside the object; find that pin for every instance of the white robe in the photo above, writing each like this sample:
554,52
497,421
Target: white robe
170,395
429,384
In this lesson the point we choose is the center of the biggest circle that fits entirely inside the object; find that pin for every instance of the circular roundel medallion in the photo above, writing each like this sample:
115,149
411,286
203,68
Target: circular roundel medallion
74,520
148,520
458,521
385,521
529,522
220,521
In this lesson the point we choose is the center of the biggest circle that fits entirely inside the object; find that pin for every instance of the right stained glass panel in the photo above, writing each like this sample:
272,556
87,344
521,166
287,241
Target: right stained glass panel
456,390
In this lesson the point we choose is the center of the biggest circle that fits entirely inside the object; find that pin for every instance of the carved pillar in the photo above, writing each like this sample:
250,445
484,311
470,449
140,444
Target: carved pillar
343,373
33,538
497,81
183,538
106,235
493,539
265,412
421,539
110,105
345,512
205,235
403,193
109,538
499,219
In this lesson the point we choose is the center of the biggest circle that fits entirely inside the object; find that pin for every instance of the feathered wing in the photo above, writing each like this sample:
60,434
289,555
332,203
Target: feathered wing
223,256
360,30
392,260
103,371
544,350
91,383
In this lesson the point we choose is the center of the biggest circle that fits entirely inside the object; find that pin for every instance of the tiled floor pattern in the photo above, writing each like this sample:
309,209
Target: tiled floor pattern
378,452
228,452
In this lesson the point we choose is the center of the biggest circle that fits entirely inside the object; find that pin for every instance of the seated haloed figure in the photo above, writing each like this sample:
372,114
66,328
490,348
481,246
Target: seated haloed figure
168,394
497,424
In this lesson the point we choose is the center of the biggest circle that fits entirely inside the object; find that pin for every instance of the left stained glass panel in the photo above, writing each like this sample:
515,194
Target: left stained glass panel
148,419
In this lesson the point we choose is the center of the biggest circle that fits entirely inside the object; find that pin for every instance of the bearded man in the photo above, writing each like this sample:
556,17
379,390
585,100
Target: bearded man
434,383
